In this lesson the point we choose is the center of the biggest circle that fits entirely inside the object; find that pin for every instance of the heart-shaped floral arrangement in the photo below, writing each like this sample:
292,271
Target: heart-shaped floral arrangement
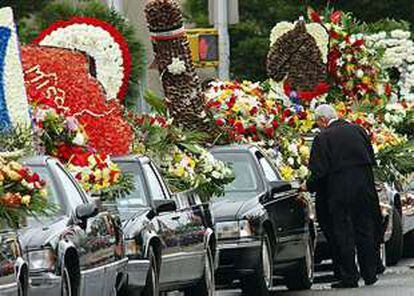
61,79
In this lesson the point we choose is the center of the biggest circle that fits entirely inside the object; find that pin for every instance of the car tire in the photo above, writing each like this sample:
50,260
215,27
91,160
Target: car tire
262,281
395,246
409,245
206,286
302,277
66,286
152,287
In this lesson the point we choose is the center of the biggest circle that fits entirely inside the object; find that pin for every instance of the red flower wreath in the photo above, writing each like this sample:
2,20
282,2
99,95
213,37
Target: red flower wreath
115,34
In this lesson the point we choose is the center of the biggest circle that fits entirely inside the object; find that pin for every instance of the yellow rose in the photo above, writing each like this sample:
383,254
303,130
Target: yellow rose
179,172
105,173
304,151
43,193
14,176
98,175
287,173
15,166
26,200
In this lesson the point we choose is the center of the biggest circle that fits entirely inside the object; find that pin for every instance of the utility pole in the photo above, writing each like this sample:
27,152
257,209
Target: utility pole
116,4
221,24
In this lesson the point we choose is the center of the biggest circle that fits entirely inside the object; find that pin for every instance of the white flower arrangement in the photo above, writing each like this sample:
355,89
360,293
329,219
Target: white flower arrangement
399,54
13,78
100,45
177,66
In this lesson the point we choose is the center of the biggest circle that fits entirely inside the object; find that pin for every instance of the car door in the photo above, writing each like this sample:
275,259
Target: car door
96,240
169,228
286,211
193,233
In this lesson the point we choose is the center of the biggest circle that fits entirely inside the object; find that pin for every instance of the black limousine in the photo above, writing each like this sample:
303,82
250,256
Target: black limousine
169,241
265,222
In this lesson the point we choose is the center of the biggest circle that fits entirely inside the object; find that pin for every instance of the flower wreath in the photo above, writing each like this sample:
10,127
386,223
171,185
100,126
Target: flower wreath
398,55
102,42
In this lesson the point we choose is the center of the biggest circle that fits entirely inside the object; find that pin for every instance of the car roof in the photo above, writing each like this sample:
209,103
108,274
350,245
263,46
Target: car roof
131,158
38,160
234,148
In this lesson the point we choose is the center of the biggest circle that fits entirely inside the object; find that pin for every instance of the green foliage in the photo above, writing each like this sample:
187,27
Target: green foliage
16,140
123,188
387,25
395,161
30,27
407,126
156,103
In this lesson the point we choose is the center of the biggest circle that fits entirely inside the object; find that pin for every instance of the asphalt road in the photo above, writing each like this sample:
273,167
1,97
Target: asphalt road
397,281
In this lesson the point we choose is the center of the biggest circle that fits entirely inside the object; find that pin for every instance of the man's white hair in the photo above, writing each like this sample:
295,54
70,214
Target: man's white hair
326,111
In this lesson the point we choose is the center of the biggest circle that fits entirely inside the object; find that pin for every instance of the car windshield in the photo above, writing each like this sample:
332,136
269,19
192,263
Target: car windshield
411,185
52,197
245,173
137,196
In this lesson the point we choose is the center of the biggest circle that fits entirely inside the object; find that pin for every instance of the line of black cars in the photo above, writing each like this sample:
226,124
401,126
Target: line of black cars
261,233
152,241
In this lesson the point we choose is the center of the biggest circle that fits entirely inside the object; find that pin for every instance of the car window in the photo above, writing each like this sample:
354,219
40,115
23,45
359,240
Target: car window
411,186
68,185
268,170
52,192
154,185
137,197
246,178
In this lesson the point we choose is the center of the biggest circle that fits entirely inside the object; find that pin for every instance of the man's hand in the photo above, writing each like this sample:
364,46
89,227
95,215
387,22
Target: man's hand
303,188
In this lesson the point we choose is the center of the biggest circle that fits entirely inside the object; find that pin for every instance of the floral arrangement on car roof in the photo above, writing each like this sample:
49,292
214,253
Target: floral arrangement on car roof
182,160
64,138
22,193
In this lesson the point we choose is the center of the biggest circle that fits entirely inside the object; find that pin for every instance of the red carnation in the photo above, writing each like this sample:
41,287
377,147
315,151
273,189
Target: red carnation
239,128
275,123
254,111
270,132
287,113
358,43
253,129
388,89
220,122
334,34
336,17
314,16
359,121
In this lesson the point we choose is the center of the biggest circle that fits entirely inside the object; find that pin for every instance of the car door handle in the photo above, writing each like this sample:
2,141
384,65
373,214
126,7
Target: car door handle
175,218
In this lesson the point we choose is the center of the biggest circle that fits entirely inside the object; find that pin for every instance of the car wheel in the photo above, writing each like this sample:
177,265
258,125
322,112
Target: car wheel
206,286
66,289
395,246
302,277
409,245
152,287
262,281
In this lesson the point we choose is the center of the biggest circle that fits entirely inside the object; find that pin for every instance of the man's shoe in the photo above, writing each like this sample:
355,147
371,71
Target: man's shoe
371,281
380,269
344,285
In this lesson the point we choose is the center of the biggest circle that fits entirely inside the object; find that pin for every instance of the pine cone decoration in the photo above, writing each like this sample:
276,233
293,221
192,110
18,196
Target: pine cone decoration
296,57
185,99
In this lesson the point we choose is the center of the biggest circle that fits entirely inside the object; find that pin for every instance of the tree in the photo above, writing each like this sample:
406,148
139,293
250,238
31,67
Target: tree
250,38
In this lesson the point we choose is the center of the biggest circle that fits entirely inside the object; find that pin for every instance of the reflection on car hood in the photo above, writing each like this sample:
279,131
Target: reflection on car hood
233,206
42,234
133,220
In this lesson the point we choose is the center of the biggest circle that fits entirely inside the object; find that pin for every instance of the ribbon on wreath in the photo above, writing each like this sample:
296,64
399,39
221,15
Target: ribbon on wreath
167,35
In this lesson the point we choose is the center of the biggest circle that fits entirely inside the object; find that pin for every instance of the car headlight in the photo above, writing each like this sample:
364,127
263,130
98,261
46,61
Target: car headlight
131,247
44,259
233,229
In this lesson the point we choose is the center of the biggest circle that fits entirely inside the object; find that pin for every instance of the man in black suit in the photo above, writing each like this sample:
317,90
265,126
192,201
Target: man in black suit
341,165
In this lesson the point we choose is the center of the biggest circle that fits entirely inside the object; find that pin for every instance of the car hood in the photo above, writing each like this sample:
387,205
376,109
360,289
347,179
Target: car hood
234,207
40,234
133,220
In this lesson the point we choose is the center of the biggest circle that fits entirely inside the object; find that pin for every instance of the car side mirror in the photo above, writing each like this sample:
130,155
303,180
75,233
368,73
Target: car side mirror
86,211
165,205
280,186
